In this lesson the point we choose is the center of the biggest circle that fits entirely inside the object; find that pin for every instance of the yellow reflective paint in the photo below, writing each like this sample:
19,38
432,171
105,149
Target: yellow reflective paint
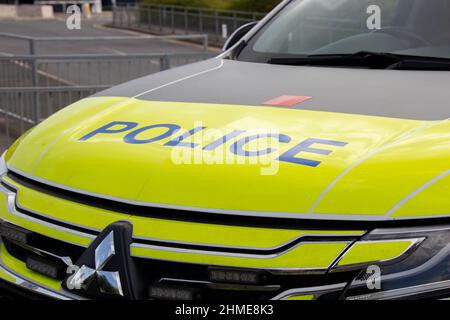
374,251
224,235
42,136
305,256
432,201
21,268
381,182
7,277
38,227
302,297
159,229
106,165
12,148
64,210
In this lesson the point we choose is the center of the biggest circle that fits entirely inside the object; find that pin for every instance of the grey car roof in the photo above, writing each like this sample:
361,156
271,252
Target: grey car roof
419,95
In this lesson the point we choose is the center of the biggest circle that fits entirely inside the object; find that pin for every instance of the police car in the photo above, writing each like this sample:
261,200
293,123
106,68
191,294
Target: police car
310,160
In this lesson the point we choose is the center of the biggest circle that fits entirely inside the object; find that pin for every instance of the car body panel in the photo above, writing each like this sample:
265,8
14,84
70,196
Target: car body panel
388,160
151,168
7,214
308,256
416,95
397,173
147,228
21,268
428,202
363,252
371,162
54,127
363,180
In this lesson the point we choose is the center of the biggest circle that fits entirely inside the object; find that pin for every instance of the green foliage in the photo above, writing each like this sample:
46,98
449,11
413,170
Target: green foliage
219,4
253,5
244,5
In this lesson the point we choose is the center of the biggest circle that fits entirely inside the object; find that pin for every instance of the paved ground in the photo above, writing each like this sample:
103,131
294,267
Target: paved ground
4,143
92,27
82,74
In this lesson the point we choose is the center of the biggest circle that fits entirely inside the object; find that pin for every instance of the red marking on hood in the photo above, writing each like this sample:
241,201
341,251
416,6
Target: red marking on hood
287,101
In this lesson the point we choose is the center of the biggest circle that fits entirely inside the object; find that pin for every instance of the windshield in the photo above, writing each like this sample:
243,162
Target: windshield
328,27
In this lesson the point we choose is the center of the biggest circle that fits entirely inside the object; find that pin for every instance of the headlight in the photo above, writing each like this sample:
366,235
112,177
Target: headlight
415,271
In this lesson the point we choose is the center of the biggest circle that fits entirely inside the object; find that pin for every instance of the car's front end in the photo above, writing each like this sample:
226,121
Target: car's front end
229,179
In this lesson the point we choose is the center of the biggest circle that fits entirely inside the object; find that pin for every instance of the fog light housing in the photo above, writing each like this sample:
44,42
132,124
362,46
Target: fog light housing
44,267
15,233
169,292
236,276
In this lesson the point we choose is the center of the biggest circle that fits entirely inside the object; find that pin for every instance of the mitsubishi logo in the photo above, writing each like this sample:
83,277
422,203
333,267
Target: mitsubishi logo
108,282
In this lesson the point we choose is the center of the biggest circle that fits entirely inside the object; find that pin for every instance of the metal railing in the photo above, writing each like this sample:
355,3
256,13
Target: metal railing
17,111
34,42
171,19
86,69
33,86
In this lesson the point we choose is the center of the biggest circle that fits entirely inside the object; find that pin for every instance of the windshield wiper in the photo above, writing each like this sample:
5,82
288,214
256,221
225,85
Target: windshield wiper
367,59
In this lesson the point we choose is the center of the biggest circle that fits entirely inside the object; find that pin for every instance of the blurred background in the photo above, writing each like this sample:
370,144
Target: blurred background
53,53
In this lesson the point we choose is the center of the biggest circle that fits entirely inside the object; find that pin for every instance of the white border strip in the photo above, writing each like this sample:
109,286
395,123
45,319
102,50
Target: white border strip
416,192
367,157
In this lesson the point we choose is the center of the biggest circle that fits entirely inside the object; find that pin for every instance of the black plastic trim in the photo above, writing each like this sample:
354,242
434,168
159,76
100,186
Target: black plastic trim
9,291
215,218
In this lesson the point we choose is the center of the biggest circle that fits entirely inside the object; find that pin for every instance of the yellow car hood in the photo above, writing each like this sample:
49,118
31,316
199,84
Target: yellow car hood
375,168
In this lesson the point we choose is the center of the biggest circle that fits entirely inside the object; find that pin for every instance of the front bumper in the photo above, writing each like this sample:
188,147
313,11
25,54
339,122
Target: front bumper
13,284
16,285
188,263
307,264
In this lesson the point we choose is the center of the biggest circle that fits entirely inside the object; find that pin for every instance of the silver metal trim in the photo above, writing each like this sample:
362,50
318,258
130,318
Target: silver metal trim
402,137
414,243
242,255
18,205
155,205
394,231
280,215
404,292
339,257
218,246
3,167
108,281
257,249
11,204
31,285
223,286
316,291
416,192
229,254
